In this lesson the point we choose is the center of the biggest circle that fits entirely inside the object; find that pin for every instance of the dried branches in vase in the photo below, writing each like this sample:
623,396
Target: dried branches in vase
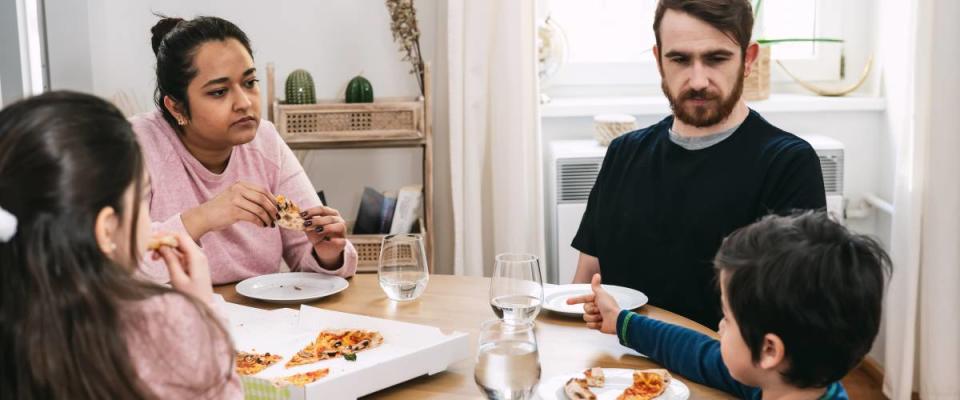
403,23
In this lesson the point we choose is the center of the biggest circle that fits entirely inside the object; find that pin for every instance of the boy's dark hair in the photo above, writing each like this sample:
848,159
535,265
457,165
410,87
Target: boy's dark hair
813,283
732,17
175,42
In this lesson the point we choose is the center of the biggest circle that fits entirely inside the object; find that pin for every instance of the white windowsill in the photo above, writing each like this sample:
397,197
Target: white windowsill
657,105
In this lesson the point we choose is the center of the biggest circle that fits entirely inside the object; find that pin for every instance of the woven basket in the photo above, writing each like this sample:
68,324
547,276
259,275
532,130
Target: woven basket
333,122
607,127
756,86
368,250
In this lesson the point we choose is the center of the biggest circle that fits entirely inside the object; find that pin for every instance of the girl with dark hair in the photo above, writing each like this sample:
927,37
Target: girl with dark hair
216,166
75,322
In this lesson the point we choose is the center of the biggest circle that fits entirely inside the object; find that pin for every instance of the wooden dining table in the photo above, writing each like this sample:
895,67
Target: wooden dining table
458,303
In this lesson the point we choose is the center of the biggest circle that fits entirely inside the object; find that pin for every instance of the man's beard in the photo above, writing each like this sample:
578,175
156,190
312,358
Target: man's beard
715,110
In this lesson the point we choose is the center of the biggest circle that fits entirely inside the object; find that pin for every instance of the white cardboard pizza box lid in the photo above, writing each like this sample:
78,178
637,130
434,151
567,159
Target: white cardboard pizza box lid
408,351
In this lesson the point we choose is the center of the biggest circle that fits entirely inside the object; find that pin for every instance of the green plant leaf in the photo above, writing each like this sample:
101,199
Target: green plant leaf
796,40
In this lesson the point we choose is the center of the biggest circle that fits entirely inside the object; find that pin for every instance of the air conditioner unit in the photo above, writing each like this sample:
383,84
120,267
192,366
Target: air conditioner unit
830,152
573,169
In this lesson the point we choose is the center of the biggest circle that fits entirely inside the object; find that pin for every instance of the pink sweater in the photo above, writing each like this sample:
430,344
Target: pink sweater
242,250
177,352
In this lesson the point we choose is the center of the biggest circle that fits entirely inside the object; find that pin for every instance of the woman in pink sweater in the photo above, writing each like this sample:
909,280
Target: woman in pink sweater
76,322
216,166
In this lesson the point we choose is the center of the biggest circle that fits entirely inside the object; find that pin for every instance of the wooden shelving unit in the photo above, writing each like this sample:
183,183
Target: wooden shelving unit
385,123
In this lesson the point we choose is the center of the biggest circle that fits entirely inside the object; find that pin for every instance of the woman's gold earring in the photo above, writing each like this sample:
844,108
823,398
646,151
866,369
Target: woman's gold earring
181,122
113,246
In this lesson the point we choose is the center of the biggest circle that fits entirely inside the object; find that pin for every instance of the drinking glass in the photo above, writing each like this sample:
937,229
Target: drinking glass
516,290
403,267
508,363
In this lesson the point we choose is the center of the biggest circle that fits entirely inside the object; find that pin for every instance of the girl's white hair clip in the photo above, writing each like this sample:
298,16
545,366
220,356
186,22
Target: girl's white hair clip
8,225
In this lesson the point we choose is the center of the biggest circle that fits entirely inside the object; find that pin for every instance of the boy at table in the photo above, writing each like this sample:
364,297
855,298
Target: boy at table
801,299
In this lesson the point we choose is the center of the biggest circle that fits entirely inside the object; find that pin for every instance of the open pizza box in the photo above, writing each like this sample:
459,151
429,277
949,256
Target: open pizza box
408,351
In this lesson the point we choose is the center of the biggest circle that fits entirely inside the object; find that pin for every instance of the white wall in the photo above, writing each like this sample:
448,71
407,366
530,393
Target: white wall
103,47
10,65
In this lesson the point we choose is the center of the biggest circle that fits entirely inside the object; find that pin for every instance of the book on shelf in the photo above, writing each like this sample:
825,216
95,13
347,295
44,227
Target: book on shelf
407,210
389,212
368,216
386,213
323,198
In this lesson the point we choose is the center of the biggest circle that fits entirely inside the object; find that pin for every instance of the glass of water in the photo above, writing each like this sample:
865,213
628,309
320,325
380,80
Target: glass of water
508,363
516,289
403,267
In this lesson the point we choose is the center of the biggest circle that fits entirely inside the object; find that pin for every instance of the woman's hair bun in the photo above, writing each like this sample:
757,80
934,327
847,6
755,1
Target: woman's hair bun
161,29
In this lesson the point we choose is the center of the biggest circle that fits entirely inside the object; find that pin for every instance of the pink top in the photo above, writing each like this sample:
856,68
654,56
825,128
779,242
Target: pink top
241,250
177,352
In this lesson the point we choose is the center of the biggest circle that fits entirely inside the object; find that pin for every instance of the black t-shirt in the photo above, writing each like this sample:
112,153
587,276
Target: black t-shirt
658,212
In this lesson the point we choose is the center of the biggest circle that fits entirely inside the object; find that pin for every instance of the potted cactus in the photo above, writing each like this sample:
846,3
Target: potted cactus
300,88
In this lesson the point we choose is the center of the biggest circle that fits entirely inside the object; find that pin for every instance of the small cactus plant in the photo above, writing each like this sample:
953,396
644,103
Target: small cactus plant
300,89
359,90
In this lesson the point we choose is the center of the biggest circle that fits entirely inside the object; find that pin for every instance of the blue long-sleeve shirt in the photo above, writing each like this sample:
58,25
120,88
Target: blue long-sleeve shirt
689,353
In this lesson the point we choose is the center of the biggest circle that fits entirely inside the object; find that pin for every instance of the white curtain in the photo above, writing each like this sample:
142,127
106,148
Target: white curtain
922,309
494,132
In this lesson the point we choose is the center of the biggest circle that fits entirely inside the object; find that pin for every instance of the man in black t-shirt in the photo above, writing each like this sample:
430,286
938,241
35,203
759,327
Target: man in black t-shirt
668,194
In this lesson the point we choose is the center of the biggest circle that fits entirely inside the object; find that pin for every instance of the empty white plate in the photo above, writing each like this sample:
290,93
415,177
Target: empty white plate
617,380
555,297
291,287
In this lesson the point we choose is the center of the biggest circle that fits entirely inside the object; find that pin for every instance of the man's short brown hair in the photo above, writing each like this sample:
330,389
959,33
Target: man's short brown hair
732,17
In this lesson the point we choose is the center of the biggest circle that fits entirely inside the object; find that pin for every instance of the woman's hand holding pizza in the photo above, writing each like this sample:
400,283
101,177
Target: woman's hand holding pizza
242,201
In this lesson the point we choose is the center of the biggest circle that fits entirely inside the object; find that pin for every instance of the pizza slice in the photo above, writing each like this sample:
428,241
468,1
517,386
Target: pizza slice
594,377
162,240
249,363
331,344
306,356
647,384
358,340
577,389
289,214
303,378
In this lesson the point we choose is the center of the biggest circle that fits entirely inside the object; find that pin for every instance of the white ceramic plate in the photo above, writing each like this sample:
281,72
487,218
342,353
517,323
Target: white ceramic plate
291,287
555,297
617,380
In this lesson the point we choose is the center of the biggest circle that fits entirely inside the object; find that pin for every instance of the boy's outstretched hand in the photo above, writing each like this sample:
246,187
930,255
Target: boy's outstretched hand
600,309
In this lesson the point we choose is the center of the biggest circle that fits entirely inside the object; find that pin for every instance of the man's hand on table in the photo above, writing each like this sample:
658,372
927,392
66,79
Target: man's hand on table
600,309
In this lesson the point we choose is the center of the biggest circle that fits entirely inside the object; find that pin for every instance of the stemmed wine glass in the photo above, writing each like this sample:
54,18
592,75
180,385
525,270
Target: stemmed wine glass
516,290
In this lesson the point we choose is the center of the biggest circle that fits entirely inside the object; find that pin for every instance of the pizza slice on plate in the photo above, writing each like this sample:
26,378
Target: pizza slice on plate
647,384
249,363
577,389
594,377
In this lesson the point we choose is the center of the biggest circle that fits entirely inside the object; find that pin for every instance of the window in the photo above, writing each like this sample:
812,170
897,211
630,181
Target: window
21,57
609,42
